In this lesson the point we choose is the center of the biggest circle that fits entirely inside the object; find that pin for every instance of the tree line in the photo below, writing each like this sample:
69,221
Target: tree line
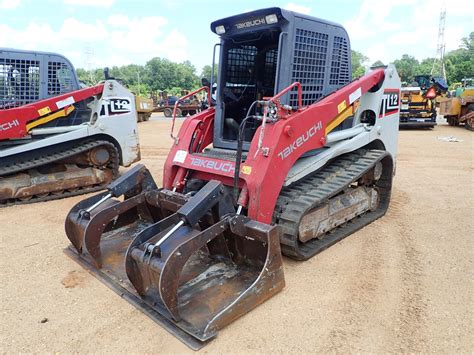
459,63
160,74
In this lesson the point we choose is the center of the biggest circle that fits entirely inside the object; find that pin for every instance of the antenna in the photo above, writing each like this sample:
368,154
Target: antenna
438,68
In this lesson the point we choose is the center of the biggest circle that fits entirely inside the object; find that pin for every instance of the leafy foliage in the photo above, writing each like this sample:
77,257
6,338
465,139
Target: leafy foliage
407,67
358,64
158,74
207,70
377,63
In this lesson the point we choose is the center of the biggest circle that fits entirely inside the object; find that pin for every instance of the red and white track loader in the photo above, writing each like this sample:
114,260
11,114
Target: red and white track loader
40,161
292,157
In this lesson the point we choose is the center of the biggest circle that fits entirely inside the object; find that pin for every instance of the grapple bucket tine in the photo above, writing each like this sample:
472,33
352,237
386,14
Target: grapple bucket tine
95,229
76,220
130,267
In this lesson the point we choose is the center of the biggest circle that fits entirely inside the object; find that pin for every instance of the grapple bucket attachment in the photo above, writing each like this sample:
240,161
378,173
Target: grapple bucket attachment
190,263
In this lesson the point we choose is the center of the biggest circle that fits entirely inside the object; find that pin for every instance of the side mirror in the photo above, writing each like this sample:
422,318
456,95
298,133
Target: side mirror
205,82
106,73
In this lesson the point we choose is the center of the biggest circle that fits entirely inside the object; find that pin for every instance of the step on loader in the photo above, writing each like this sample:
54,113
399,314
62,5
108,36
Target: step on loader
291,157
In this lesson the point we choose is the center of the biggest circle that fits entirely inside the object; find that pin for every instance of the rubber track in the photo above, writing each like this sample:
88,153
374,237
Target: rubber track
296,200
78,148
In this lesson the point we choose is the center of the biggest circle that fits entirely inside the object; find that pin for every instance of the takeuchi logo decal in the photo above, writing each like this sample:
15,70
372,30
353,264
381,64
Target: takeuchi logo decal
9,125
226,167
251,23
298,142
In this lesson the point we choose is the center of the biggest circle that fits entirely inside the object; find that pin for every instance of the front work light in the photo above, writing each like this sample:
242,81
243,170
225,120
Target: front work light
220,29
271,19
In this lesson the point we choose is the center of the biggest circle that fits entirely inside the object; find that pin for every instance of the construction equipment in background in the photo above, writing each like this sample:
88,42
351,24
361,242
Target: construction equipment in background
418,105
144,108
55,142
292,158
165,103
459,108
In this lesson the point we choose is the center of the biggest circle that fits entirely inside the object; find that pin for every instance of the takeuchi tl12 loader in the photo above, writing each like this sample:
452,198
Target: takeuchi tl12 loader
56,139
292,158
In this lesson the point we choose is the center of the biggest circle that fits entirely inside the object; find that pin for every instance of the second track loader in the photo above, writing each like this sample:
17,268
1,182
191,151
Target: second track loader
292,158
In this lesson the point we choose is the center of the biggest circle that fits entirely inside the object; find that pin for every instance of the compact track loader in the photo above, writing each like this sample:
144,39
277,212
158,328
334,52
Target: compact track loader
56,139
292,158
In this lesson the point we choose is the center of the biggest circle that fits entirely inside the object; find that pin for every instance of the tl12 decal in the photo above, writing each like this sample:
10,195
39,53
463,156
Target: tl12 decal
116,106
390,102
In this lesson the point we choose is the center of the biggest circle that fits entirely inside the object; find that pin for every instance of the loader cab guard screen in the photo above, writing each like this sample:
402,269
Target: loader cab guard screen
263,52
248,73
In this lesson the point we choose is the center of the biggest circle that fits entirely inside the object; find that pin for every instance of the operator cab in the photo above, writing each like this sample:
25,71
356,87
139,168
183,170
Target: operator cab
263,52
30,76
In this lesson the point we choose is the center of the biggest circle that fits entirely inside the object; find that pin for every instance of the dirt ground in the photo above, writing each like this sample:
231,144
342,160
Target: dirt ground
402,284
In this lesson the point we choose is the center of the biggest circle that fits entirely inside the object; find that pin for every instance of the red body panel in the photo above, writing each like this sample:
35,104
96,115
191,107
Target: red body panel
13,121
262,174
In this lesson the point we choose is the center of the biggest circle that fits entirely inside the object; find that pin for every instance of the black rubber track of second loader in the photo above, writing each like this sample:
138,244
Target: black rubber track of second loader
51,155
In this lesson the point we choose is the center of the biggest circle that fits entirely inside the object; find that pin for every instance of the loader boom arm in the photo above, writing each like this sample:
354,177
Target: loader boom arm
13,122
286,140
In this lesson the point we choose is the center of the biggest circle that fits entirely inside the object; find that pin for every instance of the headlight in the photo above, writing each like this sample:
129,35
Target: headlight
271,19
220,29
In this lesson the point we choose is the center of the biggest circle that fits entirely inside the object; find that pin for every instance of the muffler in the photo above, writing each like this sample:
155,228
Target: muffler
191,263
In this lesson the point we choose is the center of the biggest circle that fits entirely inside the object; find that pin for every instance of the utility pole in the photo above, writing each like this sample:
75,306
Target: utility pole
438,68
89,53
138,75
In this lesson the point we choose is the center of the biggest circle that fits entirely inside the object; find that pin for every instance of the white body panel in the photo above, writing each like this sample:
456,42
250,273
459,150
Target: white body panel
113,116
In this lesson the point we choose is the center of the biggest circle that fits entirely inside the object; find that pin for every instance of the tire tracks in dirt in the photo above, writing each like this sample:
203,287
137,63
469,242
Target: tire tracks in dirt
361,287
365,303
413,306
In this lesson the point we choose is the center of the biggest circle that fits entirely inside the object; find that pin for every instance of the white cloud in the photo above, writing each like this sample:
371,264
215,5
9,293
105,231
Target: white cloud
72,29
34,36
9,4
298,8
95,3
385,30
175,46
116,40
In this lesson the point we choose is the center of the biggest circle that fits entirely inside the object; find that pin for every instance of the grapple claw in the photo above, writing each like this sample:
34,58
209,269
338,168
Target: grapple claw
188,262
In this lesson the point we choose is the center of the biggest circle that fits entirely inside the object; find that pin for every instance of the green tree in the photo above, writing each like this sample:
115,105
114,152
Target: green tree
460,62
425,66
186,76
206,72
468,42
358,60
407,67
377,63
162,74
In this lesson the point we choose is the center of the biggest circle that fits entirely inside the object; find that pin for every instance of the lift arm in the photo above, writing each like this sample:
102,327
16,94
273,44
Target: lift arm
16,122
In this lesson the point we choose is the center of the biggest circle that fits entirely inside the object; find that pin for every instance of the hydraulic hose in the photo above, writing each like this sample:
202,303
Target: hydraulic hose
240,143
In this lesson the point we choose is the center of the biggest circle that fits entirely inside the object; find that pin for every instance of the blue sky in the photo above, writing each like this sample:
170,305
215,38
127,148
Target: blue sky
97,33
